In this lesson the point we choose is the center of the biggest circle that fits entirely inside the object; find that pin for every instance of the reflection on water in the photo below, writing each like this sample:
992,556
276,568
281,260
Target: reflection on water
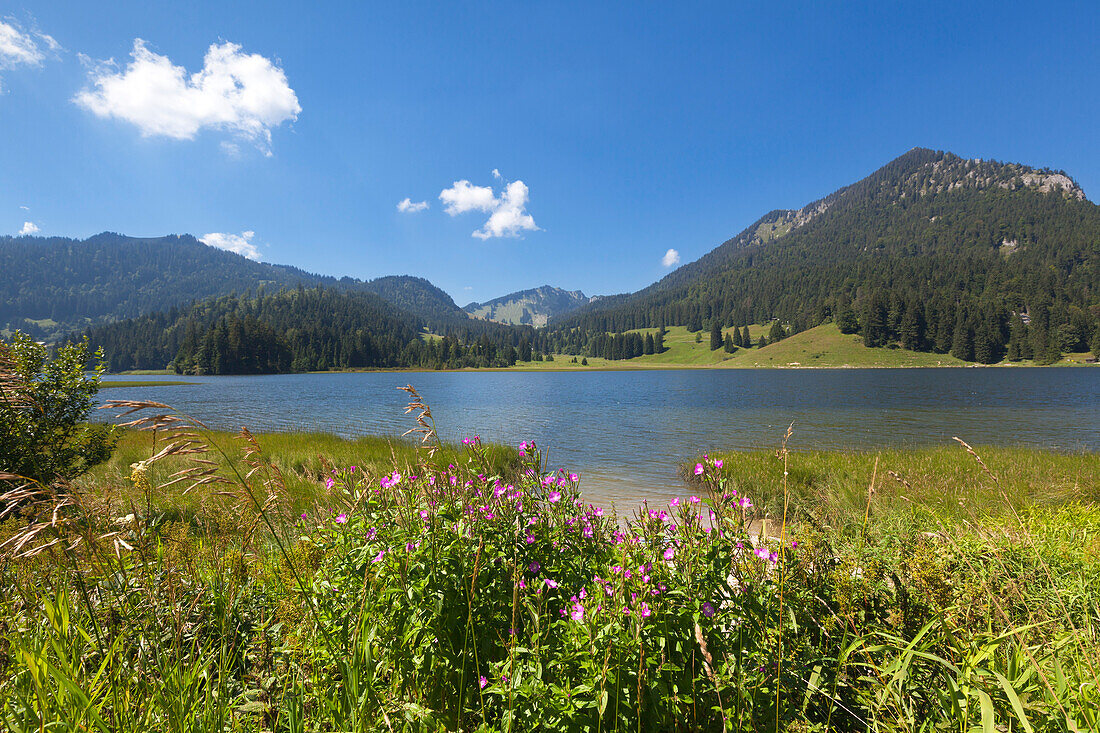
626,432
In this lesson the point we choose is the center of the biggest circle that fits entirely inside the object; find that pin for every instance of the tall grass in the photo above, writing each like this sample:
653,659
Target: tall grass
458,590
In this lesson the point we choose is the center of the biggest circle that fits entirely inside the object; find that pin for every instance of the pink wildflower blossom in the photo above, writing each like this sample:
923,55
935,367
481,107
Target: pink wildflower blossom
698,469
341,518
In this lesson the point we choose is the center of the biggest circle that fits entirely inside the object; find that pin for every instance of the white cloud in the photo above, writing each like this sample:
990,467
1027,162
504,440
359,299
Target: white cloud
408,206
672,257
29,227
463,197
239,243
18,48
507,213
245,94
24,208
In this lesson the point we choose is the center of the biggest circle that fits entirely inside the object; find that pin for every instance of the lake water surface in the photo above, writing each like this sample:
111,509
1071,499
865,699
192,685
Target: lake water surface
626,432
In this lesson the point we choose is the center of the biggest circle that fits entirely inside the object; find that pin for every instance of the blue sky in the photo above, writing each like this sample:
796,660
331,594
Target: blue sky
631,129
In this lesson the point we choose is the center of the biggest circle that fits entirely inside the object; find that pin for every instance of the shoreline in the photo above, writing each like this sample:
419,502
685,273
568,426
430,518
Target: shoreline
602,368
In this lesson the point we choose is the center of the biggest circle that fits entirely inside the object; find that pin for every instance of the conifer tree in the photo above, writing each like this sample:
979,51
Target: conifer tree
776,333
715,336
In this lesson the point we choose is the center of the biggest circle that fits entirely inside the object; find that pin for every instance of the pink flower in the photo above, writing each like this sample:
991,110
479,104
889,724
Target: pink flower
717,462
482,682
669,553
578,612
341,518
698,469
329,482
574,477
551,583
675,501
598,512
744,502
694,499
379,556
762,552
424,514
554,497
643,611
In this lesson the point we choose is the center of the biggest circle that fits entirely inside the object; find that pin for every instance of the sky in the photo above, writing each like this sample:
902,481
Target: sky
495,147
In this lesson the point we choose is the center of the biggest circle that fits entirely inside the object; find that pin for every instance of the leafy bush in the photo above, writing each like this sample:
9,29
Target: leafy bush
43,407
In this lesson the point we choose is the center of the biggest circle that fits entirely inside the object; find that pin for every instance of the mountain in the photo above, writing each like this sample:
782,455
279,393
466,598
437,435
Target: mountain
932,251
415,295
533,307
54,285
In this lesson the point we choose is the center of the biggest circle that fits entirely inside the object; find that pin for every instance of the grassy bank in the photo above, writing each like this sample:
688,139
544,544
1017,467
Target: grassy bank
931,486
461,591
302,460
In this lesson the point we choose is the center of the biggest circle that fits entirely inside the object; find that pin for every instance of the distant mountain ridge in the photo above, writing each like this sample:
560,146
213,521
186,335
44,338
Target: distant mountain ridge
534,307
52,286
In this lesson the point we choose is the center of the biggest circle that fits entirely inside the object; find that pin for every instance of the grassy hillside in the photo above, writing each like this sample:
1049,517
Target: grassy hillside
826,346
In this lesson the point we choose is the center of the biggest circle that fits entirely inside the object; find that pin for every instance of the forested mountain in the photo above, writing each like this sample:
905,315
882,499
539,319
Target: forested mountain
302,329
533,307
415,295
51,286
933,252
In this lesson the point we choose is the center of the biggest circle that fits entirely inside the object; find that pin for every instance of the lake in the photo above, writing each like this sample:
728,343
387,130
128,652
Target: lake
626,432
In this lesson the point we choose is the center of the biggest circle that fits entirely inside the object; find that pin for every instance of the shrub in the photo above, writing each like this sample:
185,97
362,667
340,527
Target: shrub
44,404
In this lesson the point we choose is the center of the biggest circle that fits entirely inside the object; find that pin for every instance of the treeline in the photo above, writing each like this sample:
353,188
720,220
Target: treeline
969,328
941,243
305,329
